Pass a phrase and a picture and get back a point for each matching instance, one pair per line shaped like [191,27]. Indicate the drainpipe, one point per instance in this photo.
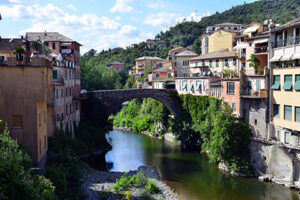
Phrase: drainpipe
[269,100]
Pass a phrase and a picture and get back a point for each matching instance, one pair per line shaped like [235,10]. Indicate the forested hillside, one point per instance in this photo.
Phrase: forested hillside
[183,34]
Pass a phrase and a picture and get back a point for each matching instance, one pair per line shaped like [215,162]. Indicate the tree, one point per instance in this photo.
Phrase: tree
[16,182]
[254,62]
[197,46]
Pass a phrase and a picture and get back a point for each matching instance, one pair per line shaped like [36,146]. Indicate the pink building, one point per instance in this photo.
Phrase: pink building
[195,85]
[231,94]
[65,54]
[116,65]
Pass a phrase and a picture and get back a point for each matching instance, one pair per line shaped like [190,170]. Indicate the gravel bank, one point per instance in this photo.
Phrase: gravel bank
[99,185]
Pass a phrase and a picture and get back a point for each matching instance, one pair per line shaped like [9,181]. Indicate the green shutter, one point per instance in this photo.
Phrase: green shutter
[288,113]
[191,86]
[276,84]
[210,63]
[198,85]
[297,114]
[184,85]
[217,63]
[276,111]
[297,83]
[287,82]
[54,74]
[258,83]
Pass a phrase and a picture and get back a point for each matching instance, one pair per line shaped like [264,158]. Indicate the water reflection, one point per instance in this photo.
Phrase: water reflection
[189,173]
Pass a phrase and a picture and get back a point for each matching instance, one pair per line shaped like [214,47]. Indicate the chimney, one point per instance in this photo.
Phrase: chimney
[45,33]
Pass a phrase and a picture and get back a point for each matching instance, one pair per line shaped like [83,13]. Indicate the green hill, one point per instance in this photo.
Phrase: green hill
[187,34]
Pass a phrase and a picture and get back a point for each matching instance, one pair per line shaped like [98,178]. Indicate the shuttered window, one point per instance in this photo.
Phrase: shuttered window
[276,111]
[258,84]
[288,113]
[287,82]
[54,74]
[17,121]
[297,114]
[210,63]
[276,83]
[217,63]
[297,83]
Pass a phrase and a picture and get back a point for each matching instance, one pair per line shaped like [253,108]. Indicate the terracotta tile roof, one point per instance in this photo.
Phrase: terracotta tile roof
[149,58]
[228,24]
[9,44]
[47,37]
[186,53]
[222,53]
[292,23]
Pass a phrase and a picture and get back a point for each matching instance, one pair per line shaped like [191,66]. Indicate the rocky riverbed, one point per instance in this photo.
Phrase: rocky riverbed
[99,185]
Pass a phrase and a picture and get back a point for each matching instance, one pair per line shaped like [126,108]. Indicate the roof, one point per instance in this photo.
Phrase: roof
[222,53]
[163,69]
[227,24]
[149,58]
[292,23]
[186,53]
[115,63]
[175,49]
[47,37]
[9,44]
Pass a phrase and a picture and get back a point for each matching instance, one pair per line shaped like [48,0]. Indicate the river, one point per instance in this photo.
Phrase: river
[190,174]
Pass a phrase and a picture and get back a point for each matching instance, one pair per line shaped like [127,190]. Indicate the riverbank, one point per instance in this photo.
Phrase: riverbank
[170,137]
[99,185]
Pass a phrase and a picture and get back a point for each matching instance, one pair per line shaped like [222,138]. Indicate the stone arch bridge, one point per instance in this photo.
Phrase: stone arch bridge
[113,99]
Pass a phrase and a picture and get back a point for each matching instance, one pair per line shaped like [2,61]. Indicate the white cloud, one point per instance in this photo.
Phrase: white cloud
[122,6]
[161,19]
[193,17]
[71,7]
[155,5]
[15,1]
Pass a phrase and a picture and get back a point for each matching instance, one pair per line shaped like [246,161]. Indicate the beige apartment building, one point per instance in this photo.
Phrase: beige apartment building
[146,62]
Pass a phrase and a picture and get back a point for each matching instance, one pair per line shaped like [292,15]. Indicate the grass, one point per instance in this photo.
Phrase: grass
[139,180]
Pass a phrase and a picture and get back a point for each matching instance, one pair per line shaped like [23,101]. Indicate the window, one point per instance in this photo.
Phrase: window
[276,111]
[45,142]
[70,91]
[196,64]
[157,75]
[226,62]
[234,62]
[203,63]
[258,84]
[57,117]
[297,82]
[217,63]
[56,93]
[230,88]
[54,74]
[297,114]
[66,74]
[234,107]
[17,121]
[66,92]
[45,116]
[288,113]
[40,119]
[46,43]
[169,75]
[276,83]
[185,63]
[210,63]
[70,75]
[255,122]
[66,109]
[53,45]
[287,82]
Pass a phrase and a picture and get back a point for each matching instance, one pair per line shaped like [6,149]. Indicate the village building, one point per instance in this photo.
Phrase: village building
[118,66]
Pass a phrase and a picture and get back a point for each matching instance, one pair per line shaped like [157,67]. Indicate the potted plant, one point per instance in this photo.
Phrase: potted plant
[254,62]
[255,93]
[19,52]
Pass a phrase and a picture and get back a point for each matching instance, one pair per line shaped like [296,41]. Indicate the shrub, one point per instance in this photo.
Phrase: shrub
[152,187]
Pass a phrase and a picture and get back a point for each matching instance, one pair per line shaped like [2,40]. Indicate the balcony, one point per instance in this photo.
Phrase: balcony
[261,50]
[286,42]
[242,55]
[261,94]
[59,81]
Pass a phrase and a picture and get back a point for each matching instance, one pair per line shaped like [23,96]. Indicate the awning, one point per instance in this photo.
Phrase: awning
[184,83]
[297,83]
[275,58]
[251,29]
[198,84]
[191,86]
[288,82]
[261,41]
[276,84]
[296,56]
[286,57]
[240,46]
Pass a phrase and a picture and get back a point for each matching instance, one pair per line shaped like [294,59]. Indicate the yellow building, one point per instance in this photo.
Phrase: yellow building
[26,102]
[146,62]
[285,89]
[221,39]
[7,46]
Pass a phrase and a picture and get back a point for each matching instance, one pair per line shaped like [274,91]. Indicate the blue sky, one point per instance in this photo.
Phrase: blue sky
[103,24]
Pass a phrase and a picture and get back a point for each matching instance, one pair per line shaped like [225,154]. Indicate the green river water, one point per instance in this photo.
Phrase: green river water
[190,174]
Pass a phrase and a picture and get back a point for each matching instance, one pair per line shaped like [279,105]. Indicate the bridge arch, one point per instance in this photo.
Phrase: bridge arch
[113,99]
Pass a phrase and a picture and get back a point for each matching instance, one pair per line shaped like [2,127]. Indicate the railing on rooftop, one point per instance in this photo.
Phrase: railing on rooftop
[263,49]
[255,93]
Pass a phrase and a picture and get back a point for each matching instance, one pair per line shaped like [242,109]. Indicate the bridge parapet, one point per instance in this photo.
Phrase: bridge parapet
[113,99]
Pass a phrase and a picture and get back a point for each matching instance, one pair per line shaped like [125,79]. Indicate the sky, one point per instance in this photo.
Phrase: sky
[104,24]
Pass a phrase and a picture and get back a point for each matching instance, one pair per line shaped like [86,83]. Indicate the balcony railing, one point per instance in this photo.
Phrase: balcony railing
[286,42]
[243,55]
[254,93]
[263,49]
[59,80]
